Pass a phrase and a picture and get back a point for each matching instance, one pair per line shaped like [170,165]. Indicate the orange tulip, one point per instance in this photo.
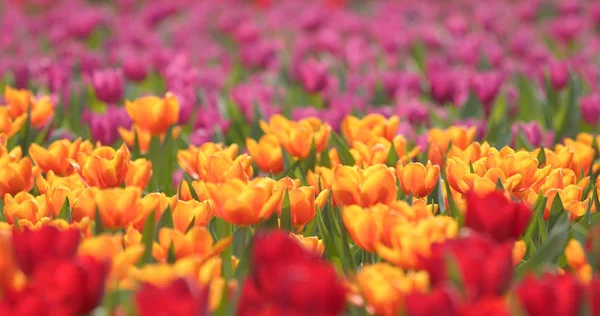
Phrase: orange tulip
[188,159]
[266,153]
[215,166]
[139,173]
[297,137]
[302,200]
[385,287]
[518,252]
[84,205]
[196,242]
[370,126]
[15,177]
[153,202]
[439,140]
[198,186]
[56,197]
[416,178]
[154,114]
[577,261]
[105,167]
[411,240]
[143,137]
[8,126]
[8,263]
[321,178]
[25,206]
[372,225]
[120,207]
[56,157]
[311,243]
[19,102]
[400,145]
[186,211]
[375,184]
[242,203]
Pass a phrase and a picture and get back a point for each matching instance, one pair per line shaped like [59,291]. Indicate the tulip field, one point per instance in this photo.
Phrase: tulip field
[300,157]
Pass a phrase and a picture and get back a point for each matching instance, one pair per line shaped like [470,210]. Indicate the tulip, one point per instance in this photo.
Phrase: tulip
[154,114]
[120,207]
[485,268]
[214,163]
[266,153]
[439,301]
[590,107]
[20,102]
[143,137]
[84,206]
[56,157]
[186,211]
[577,261]
[104,127]
[57,196]
[406,242]
[321,178]
[375,184]
[135,68]
[183,297]
[196,242]
[385,287]
[417,179]
[372,125]
[497,216]
[198,186]
[33,249]
[17,101]
[297,137]
[302,200]
[371,226]
[8,264]
[279,274]
[16,177]
[550,295]
[243,203]
[559,75]
[440,139]
[25,206]
[104,167]
[109,85]
[9,126]
[139,173]
[312,243]
[313,76]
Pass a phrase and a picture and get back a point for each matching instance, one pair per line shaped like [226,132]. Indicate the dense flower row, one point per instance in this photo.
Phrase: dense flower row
[299,157]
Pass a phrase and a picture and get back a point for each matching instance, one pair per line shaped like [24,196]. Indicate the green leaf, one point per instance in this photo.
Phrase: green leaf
[331,251]
[98,225]
[2,217]
[550,250]
[148,240]
[135,150]
[471,108]
[342,150]
[418,53]
[497,124]
[65,211]
[541,157]
[39,139]
[165,220]
[311,160]
[499,185]
[193,223]
[392,158]
[255,131]
[242,248]
[454,274]
[324,159]
[566,120]
[347,259]
[556,211]
[171,257]
[530,108]
[272,222]
[438,198]
[286,215]
[471,169]
[188,180]
[25,131]
[551,95]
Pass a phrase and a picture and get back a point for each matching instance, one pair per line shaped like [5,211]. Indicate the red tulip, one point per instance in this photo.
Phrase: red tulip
[179,298]
[496,215]
[286,279]
[491,306]
[437,302]
[34,248]
[550,295]
[594,296]
[485,268]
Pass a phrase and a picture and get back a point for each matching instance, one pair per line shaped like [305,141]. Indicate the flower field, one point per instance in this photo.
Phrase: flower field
[300,157]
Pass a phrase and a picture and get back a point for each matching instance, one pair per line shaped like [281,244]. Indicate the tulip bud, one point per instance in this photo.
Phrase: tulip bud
[135,68]
[109,85]
[559,75]
[313,75]
[590,108]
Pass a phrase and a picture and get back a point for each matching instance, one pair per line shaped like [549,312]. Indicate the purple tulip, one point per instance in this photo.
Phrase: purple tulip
[590,108]
[104,127]
[135,68]
[414,111]
[533,133]
[486,86]
[314,75]
[559,75]
[21,75]
[480,126]
[201,136]
[443,86]
[83,24]
[109,85]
